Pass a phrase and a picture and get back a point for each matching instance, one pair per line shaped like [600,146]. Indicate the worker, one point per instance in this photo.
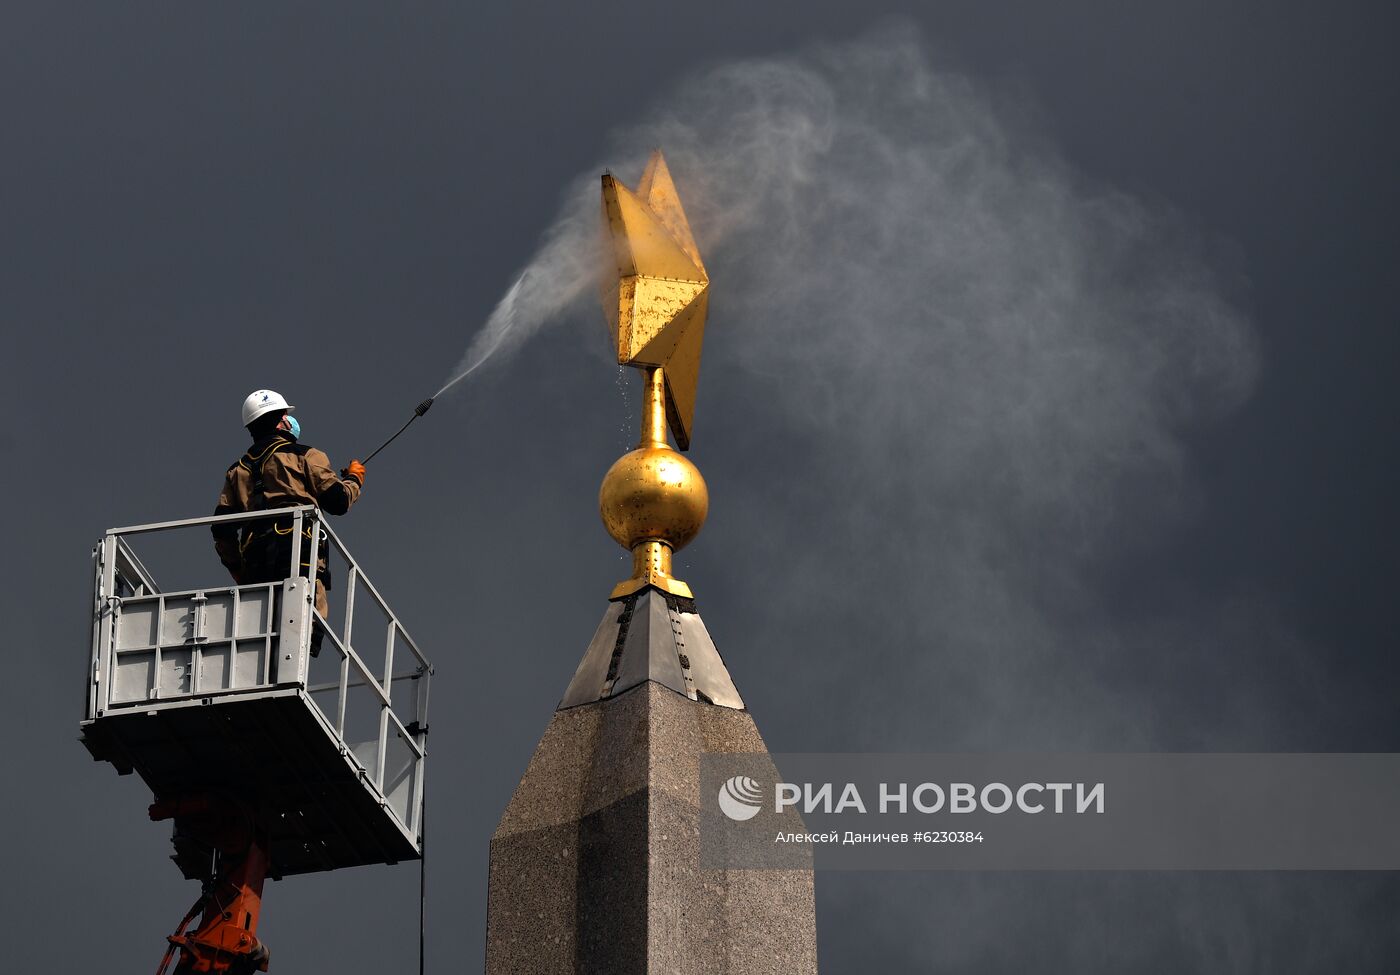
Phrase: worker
[279,472]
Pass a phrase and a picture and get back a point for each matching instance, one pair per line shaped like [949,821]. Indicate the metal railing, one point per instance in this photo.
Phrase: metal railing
[153,649]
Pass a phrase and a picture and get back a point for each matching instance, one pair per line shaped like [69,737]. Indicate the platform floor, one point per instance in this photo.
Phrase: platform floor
[276,752]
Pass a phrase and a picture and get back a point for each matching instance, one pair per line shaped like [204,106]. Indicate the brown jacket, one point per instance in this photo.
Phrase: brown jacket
[277,472]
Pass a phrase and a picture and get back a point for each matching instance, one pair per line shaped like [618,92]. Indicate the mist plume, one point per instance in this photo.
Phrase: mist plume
[905,277]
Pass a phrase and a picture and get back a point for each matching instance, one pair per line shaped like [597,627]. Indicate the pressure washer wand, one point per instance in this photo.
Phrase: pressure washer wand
[418,411]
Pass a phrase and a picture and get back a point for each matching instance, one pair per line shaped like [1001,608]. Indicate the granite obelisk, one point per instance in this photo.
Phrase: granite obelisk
[595,866]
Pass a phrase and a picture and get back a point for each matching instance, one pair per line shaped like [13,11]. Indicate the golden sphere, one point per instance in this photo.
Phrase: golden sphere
[653,494]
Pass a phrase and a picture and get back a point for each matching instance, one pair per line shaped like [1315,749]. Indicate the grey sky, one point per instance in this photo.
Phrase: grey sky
[1150,508]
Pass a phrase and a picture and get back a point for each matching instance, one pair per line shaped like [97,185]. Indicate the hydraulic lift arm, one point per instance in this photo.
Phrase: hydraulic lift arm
[226,939]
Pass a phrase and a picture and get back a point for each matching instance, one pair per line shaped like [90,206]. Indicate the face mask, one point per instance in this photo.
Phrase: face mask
[292,426]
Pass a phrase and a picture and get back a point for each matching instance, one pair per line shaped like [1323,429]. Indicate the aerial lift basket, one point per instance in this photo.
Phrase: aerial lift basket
[209,692]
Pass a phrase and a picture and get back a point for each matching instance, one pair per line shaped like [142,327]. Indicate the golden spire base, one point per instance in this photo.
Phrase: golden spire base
[651,566]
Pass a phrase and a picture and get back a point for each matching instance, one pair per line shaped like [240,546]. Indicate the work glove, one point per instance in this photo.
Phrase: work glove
[357,471]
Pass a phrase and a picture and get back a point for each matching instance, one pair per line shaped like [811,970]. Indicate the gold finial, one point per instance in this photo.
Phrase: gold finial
[653,501]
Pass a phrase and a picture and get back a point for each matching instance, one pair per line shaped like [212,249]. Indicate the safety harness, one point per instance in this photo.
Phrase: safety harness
[253,464]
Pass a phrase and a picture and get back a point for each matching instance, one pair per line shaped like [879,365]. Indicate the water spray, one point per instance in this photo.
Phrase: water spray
[427,404]
[505,321]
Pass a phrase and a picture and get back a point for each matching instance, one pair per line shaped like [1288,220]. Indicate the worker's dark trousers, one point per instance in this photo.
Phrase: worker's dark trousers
[268,557]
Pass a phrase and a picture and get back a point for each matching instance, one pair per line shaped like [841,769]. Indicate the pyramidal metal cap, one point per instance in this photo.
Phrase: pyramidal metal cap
[652,636]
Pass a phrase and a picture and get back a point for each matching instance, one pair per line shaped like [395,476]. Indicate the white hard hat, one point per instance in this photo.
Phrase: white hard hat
[262,401]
